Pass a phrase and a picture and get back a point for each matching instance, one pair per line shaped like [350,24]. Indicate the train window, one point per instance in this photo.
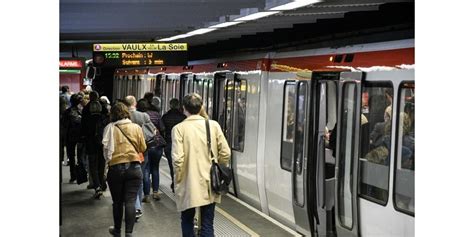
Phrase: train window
[346,154]
[210,95]
[204,95]
[198,87]
[300,125]
[301,108]
[176,89]
[374,145]
[288,126]
[405,152]
[239,115]
[228,109]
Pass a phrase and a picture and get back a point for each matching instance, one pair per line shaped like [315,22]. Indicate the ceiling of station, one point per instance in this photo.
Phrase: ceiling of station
[93,21]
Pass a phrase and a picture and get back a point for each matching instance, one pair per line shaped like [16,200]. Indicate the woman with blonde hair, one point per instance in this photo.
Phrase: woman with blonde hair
[123,142]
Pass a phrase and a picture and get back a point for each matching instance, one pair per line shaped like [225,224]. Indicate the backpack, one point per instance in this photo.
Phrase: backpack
[149,133]
[100,121]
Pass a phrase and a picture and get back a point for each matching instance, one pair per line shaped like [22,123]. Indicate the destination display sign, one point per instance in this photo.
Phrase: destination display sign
[140,54]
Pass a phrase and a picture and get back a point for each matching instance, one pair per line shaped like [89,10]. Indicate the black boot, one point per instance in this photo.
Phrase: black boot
[114,232]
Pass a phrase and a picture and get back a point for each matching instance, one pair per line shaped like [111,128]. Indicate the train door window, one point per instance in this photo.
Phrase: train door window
[169,92]
[210,96]
[221,103]
[228,108]
[176,89]
[204,95]
[300,127]
[374,144]
[240,89]
[346,153]
[288,127]
[189,83]
[405,153]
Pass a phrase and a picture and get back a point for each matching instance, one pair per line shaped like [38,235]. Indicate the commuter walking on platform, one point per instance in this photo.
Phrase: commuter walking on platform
[123,141]
[192,163]
[72,122]
[154,150]
[154,101]
[139,118]
[94,119]
[170,119]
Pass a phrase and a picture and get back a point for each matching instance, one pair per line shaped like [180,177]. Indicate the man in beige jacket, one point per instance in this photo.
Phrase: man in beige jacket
[192,163]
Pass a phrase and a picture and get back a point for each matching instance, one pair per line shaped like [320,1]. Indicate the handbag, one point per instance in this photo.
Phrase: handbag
[141,158]
[221,176]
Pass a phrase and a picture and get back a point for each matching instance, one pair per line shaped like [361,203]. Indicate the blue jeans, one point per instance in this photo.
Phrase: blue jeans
[207,221]
[146,173]
[154,157]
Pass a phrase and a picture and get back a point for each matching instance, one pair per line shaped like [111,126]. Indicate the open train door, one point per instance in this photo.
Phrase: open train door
[321,158]
[224,94]
[346,172]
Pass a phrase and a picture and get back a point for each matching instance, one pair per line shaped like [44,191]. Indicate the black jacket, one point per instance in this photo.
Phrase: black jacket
[170,119]
[92,128]
[72,124]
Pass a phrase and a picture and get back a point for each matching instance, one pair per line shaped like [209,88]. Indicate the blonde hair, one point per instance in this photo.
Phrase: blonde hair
[203,113]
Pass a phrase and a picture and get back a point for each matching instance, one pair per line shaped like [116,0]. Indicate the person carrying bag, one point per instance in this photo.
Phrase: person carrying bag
[221,175]
[191,153]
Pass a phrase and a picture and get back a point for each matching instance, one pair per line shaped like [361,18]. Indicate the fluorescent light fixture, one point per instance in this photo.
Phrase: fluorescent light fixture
[191,33]
[200,31]
[255,16]
[226,24]
[174,37]
[294,5]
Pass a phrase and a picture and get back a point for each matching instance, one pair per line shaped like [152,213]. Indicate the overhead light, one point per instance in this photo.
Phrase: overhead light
[226,24]
[200,31]
[174,37]
[255,16]
[294,5]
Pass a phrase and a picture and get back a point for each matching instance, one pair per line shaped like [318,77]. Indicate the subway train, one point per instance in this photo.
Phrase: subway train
[322,139]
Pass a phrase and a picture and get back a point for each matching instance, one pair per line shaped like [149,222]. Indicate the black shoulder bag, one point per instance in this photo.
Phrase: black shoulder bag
[221,176]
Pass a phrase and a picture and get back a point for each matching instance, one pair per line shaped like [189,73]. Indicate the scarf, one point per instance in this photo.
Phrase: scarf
[108,138]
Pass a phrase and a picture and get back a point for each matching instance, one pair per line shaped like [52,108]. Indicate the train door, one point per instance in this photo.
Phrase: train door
[186,85]
[385,157]
[223,101]
[347,208]
[299,149]
[321,161]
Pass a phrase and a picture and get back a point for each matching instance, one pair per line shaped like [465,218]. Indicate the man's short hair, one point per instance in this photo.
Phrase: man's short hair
[94,96]
[149,96]
[130,100]
[174,103]
[64,89]
[192,103]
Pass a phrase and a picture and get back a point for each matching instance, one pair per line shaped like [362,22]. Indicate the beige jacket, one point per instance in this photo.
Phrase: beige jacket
[124,151]
[192,161]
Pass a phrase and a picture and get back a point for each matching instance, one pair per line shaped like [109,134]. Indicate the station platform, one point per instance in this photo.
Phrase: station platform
[82,215]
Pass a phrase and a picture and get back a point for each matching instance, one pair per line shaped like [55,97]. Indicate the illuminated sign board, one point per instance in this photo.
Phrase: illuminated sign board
[70,63]
[140,54]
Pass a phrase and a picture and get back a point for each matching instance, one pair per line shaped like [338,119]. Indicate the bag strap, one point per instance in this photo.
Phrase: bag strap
[127,138]
[208,134]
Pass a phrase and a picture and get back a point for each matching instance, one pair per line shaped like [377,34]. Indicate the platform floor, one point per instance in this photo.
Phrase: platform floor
[82,215]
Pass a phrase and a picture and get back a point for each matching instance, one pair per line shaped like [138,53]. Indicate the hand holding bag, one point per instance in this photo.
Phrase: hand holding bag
[221,176]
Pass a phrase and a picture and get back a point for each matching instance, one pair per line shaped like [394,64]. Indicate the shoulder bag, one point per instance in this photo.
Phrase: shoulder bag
[221,176]
[141,158]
